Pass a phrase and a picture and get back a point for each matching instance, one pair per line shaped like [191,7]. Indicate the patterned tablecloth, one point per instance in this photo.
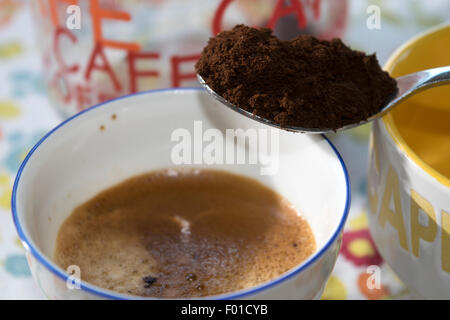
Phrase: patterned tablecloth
[26,114]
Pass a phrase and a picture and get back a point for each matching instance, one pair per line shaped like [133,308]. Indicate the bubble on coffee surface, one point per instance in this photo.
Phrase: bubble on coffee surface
[196,233]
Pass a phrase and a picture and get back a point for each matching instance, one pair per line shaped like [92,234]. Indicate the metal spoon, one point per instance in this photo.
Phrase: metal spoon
[407,86]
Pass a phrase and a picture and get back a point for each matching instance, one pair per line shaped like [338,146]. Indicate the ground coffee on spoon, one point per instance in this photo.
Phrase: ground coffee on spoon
[303,82]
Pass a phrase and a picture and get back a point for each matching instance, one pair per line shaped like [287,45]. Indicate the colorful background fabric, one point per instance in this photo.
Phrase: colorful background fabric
[26,114]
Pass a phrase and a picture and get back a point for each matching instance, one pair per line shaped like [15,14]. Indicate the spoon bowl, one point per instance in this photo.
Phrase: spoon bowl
[407,85]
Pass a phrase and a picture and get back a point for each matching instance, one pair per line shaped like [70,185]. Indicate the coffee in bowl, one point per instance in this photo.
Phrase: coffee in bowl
[178,233]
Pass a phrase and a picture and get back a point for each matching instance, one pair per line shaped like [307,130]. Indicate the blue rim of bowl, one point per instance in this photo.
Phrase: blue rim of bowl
[29,245]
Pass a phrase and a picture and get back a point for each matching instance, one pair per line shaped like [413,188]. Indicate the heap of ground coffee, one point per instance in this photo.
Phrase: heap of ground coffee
[303,82]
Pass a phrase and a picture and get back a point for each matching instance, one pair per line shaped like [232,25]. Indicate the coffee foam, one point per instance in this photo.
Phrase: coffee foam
[198,233]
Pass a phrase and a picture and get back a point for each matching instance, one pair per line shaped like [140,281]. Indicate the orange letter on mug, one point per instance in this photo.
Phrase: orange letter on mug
[176,74]
[134,73]
[98,14]
[59,32]
[105,67]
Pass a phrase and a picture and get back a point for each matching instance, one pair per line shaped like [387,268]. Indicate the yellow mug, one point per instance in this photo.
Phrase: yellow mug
[409,173]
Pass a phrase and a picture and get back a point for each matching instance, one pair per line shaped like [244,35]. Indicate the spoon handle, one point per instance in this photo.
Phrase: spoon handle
[416,82]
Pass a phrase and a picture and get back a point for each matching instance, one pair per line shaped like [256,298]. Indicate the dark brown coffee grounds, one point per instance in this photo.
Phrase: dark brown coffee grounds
[303,82]
[149,281]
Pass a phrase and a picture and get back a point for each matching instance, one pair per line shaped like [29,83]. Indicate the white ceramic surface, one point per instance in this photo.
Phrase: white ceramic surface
[410,201]
[76,160]
[413,244]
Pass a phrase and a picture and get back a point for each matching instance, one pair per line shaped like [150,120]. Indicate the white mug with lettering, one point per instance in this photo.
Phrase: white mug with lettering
[409,185]
[97,50]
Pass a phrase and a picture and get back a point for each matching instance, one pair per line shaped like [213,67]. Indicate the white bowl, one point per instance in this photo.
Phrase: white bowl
[76,160]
